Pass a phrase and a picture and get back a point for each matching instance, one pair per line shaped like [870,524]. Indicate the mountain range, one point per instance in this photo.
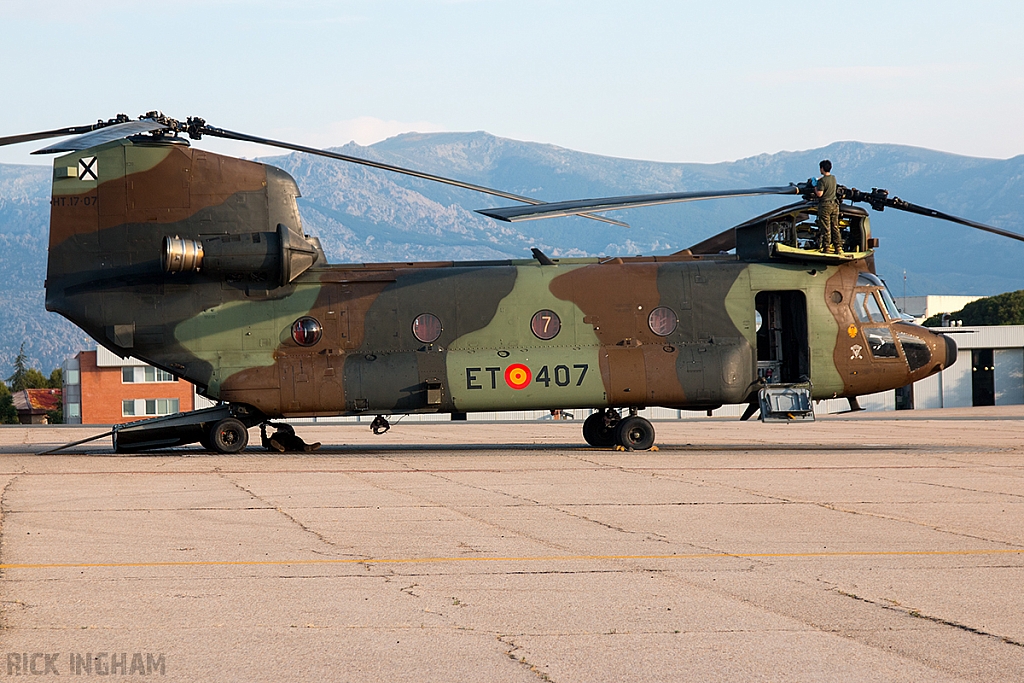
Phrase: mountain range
[365,215]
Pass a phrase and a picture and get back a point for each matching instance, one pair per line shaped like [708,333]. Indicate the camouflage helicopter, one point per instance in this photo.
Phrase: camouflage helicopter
[197,263]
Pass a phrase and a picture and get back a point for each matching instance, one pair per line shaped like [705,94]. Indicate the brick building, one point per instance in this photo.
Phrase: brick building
[102,388]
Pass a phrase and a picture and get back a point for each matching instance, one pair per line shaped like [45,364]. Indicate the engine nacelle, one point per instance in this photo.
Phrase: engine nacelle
[281,255]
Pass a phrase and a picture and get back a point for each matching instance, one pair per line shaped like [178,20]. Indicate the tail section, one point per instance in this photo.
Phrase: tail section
[119,210]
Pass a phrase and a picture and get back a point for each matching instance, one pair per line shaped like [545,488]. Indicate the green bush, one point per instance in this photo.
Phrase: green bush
[8,413]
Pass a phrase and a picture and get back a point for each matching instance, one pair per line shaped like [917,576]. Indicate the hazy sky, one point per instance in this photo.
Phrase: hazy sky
[671,81]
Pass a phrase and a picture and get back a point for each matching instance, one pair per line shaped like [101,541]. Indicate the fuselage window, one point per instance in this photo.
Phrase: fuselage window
[880,342]
[545,324]
[426,328]
[306,331]
[663,321]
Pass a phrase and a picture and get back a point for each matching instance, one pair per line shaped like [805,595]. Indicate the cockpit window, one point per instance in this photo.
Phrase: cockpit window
[873,310]
[880,342]
[890,305]
[868,280]
[867,308]
[915,349]
[858,308]
[872,280]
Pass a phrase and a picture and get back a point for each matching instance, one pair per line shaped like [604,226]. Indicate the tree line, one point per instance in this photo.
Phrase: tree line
[1002,309]
[25,377]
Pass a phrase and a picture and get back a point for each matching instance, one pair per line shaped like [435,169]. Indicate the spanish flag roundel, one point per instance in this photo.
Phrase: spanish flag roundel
[518,376]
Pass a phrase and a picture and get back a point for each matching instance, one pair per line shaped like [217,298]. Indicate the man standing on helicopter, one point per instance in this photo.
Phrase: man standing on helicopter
[828,210]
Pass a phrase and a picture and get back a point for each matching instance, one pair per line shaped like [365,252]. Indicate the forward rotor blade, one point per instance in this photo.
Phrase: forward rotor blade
[232,135]
[898,203]
[515,214]
[104,134]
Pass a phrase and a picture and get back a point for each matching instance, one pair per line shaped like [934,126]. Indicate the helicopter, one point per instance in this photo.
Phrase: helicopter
[197,264]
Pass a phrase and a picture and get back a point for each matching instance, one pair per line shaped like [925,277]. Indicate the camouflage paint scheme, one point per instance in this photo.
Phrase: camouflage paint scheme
[228,330]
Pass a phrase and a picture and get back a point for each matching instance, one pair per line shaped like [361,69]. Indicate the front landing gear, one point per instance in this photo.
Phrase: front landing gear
[635,434]
[606,428]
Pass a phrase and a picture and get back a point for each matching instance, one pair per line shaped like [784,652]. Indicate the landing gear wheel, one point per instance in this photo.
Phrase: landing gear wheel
[596,433]
[229,436]
[635,434]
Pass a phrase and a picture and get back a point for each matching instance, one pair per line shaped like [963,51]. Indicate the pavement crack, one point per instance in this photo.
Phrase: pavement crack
[952,487]
[654,536]
[772,498]
[521,659]
[916,614]
[4,512]
[905,520]
[294,520]
[464,512]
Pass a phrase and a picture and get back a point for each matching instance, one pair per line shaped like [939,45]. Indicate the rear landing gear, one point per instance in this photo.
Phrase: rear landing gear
[223,428]
[606,428]
[229,436]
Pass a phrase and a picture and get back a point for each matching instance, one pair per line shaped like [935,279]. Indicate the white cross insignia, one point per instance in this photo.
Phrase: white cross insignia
[88,169]
[856,348]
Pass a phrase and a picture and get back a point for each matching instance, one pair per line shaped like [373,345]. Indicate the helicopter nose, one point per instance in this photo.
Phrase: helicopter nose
[951,351]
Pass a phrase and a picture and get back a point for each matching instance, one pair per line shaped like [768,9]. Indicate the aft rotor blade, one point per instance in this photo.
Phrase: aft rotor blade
[105,134]
[232,135]
[515,214]
[898,203]
[61,132]
[43,135]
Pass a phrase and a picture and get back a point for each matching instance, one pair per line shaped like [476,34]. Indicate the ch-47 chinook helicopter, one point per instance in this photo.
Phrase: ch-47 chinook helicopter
[197,263]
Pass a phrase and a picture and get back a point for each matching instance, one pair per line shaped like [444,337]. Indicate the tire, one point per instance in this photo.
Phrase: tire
[635,434]
[596,434]
[229,436]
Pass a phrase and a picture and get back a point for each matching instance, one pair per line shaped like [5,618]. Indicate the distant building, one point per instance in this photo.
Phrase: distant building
[924,307]
[33,404]
[103,388]
[989,371]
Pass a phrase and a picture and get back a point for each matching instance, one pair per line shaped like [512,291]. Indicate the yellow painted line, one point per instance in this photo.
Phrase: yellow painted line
[537,558]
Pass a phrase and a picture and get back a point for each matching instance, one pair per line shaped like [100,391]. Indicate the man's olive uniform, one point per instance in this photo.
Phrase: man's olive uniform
[828,213]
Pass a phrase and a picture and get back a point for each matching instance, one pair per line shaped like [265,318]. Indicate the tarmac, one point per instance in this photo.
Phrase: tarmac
[863,547]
